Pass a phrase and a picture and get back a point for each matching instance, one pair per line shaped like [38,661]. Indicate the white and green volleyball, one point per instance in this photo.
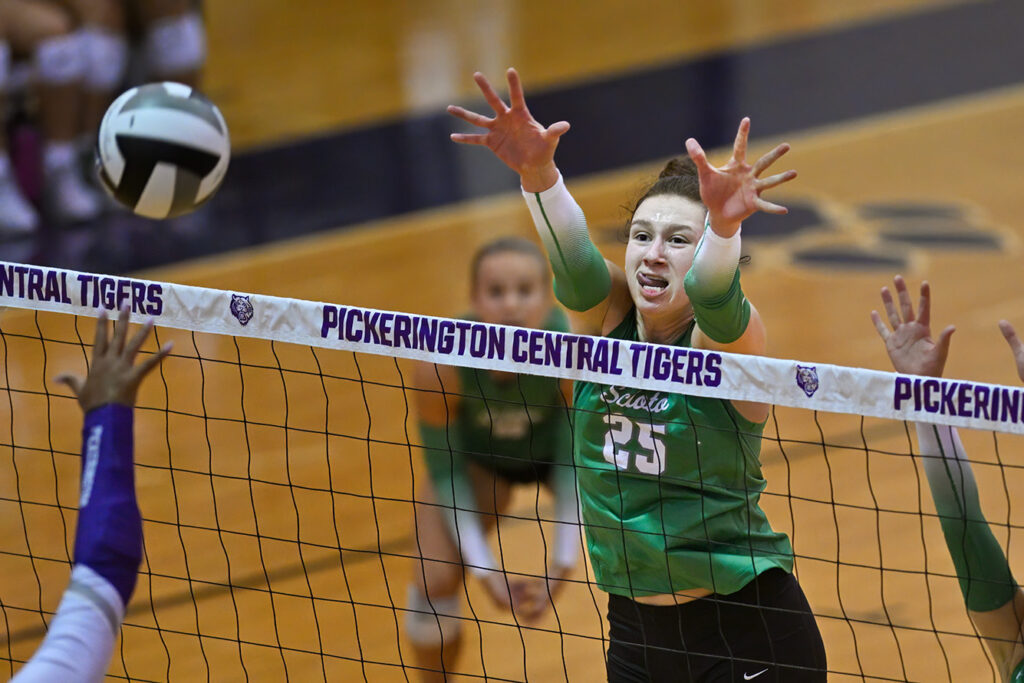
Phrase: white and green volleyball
[163,149]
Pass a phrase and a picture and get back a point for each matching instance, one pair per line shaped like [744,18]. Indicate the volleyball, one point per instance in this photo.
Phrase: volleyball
[162,150]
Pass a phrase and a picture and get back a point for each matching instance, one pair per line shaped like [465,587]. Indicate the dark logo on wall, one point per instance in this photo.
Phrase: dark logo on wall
[807,379]
[885,236]
[241,308]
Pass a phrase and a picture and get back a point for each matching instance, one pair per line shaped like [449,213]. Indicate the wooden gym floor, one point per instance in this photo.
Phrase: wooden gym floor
[931,191]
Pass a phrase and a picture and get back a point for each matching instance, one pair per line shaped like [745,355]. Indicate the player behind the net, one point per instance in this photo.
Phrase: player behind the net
[484,432]
[700,585]
[994,602]
[108,538]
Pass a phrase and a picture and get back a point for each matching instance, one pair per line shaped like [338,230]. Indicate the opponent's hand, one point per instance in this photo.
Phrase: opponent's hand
[1015,345]
[909,344]
[113,376]
[733,192]
[515,137]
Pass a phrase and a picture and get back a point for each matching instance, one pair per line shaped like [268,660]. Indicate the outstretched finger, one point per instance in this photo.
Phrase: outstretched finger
[943,342]
[73,382]
[924,306]
[557,130]
[1015,345]
[770,207]
[489,93]
[768,159]
[137,341]
[99,343]
[739,147]
[146,366]
[906,306]
[768,183]
[469,138]
[1010,335]
[470,116]
[515,90]
[883,331]
[890,308]
[120,331]
[696,153]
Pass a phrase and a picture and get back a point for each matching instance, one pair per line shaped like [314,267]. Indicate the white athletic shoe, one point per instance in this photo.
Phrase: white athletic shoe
[17,216]
[69,199]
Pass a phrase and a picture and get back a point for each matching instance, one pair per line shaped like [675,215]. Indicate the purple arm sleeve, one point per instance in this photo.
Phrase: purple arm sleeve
[109,535]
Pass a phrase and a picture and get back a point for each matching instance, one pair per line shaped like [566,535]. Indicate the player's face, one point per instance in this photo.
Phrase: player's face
[511,289]
[662,238]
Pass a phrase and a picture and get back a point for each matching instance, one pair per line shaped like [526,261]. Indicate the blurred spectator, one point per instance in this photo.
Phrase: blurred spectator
[73,57]
[40,35]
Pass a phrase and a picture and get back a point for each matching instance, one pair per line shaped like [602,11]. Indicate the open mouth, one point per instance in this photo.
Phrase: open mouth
[651,285]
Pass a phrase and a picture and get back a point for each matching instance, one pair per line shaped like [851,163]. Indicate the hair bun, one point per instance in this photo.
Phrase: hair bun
[679,166]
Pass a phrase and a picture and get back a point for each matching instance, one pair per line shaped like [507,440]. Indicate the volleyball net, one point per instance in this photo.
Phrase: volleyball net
[277,462]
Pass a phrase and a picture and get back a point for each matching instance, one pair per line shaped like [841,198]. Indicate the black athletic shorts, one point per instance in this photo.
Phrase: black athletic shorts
[526,472]
[764,632]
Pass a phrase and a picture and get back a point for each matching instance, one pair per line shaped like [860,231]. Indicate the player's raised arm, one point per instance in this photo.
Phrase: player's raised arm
[583,279]
[985,578]
[108,539]
[731,192]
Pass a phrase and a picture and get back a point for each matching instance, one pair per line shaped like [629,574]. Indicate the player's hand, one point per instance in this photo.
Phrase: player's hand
[733,192]
[498,588]
[113,376]
[909,343]
[530,598]
[515,137]
[533,596]
[1015,345]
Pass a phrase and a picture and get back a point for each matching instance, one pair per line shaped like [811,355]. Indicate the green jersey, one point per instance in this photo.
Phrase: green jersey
[669,486]
[507,423]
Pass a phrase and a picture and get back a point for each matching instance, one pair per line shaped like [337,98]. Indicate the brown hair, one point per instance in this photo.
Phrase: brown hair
[679,177]
[501,245]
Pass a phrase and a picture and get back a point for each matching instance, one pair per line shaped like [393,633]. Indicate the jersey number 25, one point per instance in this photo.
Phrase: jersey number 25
[649,459]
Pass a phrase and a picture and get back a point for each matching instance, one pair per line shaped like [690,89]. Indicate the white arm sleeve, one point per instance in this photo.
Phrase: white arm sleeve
[581,275]
[949,472]
[715,260]
[567,516]
[472,543]
[81,637]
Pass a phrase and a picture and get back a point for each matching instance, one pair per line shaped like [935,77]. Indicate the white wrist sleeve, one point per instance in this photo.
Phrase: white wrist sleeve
[716,259]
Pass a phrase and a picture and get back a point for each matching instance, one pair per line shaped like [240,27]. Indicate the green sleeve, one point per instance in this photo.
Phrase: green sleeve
[582,280]
[557,321]
[981,567]
[722,316]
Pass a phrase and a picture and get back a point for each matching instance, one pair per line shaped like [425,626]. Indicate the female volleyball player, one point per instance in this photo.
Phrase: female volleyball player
[994,602]
[108,540]
[700,585]
[484,432]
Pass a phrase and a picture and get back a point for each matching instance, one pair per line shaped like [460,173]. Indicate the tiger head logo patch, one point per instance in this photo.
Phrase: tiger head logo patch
[807,379]
[241,308]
